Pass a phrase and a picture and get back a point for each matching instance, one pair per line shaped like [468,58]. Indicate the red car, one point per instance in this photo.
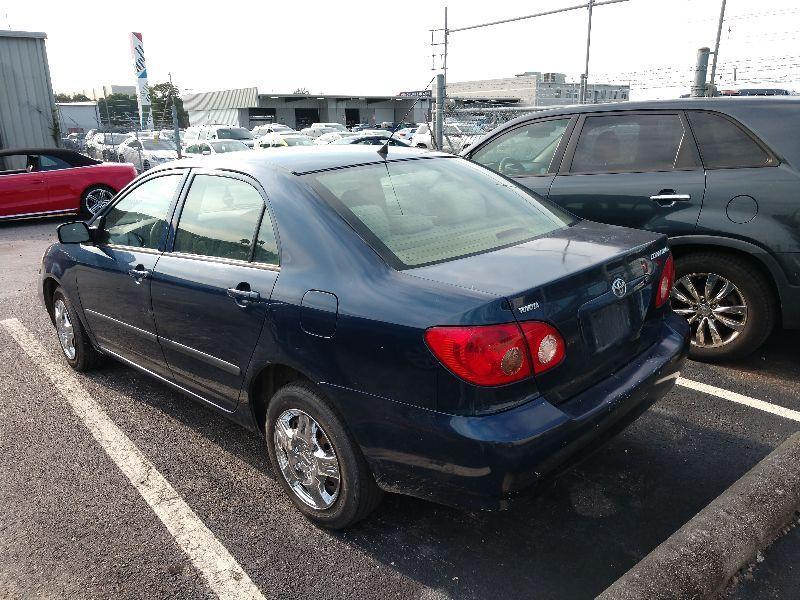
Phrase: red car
[50,181]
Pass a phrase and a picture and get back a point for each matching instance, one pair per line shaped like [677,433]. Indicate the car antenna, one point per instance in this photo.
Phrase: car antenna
[384,150]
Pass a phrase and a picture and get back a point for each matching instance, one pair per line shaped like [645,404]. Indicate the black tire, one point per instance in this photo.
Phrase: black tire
[85,212]
[756,292]
[86,357]
[358,494]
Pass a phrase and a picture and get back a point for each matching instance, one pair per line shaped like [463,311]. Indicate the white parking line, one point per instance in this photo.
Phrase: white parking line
[740,399]
[223,574]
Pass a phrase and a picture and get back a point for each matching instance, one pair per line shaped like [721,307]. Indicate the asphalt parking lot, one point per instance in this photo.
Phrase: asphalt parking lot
[72,525]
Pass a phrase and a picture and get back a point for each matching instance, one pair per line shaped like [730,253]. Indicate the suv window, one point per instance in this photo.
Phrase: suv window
[139,218]
[219,218]
[723,144]
[526,150]
[631,143]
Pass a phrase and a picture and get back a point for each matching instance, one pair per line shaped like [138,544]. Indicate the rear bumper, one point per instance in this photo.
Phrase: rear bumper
[483,462]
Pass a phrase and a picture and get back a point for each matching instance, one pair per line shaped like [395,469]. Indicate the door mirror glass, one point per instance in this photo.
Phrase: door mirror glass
[206,152]
[74,233]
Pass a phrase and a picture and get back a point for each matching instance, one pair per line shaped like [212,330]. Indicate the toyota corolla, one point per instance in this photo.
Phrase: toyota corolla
[409,322]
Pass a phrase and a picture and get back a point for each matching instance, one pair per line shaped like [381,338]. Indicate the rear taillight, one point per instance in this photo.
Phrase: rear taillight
[491,355]
[666,281]
[545,343]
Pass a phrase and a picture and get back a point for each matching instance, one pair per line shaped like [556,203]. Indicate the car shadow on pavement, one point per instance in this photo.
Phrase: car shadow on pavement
[573,539]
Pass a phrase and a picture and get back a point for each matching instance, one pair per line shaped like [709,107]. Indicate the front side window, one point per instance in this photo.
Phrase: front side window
[52,163]
[723,144]
[139,218]
[219,218]
[637,142]
[524,151]
[423,211]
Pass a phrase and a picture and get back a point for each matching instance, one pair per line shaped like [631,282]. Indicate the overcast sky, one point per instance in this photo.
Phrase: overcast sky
[373,47]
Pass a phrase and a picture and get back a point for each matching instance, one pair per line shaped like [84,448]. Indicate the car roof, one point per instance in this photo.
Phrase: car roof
[721,103]
[303,159]
[71,156]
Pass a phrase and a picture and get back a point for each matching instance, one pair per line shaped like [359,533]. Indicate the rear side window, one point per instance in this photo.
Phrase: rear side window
[418,212]
[723,144]
[219,218]
[526,150]
[634,143]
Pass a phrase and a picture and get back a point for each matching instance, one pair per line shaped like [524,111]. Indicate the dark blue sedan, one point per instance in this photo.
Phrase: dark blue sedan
[409,321]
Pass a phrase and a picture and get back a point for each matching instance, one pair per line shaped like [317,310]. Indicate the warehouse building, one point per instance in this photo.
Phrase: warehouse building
[533,88]
[246,107]
[78,117]
[28,115]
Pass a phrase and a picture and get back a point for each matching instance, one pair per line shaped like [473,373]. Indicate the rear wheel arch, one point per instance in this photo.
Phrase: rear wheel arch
[269,380]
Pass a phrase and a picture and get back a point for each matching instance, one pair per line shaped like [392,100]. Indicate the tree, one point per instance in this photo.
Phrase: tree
[81,98]
[63,98]
[162,95]
[301,90]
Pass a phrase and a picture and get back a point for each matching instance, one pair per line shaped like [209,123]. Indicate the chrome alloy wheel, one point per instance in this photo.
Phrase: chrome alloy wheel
[97,199]
[714,307]
[66,333]
[307,459]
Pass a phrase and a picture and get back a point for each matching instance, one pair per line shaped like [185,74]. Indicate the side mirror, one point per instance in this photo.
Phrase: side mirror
[74,233]
[206,152]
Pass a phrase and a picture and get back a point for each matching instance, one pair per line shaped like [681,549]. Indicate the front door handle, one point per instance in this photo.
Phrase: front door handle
[139,273]
[667,198]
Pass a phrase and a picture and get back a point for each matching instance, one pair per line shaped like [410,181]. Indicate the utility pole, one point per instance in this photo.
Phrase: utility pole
[711,89]
[176,126]
[438,128]
[699,88]
[585,75]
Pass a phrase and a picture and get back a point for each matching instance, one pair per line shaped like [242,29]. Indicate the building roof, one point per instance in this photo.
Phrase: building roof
[23,34]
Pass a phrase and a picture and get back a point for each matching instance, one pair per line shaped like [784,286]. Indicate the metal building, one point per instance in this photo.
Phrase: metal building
[247,107]
[28,117]
[78,117]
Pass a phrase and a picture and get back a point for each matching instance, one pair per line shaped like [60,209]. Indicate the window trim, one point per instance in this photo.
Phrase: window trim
[776,161]
[267,209]
[182,171]
[569,155]
[558,155]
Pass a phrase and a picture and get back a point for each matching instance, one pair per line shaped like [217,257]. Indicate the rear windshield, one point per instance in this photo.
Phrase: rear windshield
[234,133]
[423,211]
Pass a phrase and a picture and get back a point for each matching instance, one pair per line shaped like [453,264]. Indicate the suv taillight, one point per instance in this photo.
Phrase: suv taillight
[666,281]
[491,355]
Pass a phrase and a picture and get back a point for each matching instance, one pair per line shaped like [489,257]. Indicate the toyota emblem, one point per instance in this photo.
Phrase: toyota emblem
[619,287]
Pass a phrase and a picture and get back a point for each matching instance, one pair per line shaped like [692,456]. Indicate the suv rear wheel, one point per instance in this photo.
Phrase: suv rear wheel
[728,303]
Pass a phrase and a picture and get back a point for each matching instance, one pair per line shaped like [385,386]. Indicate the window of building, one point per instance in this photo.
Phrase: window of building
[723,144]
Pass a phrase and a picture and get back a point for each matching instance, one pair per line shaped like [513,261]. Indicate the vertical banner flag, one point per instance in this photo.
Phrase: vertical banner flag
[142,91]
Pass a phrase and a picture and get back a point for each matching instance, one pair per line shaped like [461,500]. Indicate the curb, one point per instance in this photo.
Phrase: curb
[699,559]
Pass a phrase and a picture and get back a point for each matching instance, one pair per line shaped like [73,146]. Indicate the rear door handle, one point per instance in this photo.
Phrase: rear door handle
[670,199]
[244,296]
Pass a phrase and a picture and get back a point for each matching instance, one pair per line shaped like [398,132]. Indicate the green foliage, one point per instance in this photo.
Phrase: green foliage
[61,97]
[162,95]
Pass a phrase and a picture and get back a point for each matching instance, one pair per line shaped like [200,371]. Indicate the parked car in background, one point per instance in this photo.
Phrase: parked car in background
[218,132]
[215,147]
[261,130]
[456,138]
[316,130]
[51,181]
[147,152]
[74,141]
[368,139]
[103,146]
[327,138]
[410,321]
[719,176]
[406,133]
[281,139]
